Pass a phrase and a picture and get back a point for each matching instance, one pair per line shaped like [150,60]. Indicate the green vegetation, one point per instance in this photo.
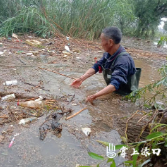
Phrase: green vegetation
[154,141]
[157,89]
[80,18]
[149,14]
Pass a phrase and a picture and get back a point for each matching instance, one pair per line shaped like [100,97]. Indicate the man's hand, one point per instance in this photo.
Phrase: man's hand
[76,83]
[106,90]
[91,98]
[79,81]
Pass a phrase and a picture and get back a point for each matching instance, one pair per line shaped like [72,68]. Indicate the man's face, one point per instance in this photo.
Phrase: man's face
[106,43]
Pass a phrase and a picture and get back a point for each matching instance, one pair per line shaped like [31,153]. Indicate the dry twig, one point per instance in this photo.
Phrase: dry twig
[141,118]
[152,119]
[128,121]
[4,116]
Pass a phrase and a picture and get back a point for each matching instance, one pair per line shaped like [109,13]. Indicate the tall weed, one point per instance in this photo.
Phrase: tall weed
[78,18]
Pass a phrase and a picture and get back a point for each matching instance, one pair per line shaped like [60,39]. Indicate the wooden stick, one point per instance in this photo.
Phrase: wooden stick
[75,113]
[50,100]
[4,116]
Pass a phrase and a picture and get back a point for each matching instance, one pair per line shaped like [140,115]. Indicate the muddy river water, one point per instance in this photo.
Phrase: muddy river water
[72,146]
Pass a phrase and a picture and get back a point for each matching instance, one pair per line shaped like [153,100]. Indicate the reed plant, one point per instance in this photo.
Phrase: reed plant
[77,18]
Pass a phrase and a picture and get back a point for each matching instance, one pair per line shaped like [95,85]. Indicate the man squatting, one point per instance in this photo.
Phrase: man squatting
[116,64]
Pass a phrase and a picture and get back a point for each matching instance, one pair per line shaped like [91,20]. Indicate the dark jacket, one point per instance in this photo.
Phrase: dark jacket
[124,66]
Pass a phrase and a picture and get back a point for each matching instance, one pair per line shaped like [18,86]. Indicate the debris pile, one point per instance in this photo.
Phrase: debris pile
[52,124]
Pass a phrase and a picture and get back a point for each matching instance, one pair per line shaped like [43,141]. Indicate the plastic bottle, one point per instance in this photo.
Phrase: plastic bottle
[8,97]
[39,99]
[68,40]
[13,82]
[27,120]
[31,104]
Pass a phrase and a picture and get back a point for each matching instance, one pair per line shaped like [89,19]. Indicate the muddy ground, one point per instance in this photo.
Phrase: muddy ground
[36,69]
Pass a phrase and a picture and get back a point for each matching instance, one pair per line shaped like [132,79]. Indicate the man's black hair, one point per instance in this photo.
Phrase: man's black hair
[113,33]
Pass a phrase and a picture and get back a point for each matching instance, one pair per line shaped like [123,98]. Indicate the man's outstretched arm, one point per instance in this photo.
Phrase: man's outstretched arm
[79,81]
[109,89]
[88,73]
